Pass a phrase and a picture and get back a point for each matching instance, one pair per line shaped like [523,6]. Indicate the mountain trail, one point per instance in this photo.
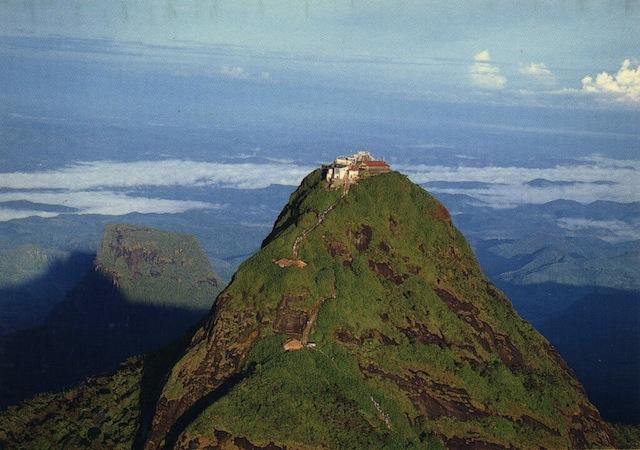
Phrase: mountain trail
[314,314]
[295,251]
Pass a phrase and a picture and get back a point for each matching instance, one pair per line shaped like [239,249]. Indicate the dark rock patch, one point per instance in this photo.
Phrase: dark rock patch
[490,340]
[382,338]
[460,443]
[578,439]
[534,424]
[345,337]
[361,238]
[291,318]
[336,248]
[419,332]
[384,269]
[508,352]
[431,398]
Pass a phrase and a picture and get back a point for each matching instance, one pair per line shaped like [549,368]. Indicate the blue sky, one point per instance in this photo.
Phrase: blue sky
[536,51]
[247,94]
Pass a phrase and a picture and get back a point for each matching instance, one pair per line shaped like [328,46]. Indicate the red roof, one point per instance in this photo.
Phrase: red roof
[376,164]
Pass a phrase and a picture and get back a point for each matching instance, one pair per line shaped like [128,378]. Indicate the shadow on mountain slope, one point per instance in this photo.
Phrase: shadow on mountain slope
[597,331]
[26,305]
[155,369]
[542,302]
[599,336]
[94,329]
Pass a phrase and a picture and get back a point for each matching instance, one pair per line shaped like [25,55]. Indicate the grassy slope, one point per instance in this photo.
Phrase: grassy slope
[368,347]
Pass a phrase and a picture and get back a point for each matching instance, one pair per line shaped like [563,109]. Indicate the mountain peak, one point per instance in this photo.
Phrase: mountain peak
[401,340]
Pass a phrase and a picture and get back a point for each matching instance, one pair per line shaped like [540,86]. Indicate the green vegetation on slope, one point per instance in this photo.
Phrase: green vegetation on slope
[414,345]
[627,436]
[413,349]
[100,413]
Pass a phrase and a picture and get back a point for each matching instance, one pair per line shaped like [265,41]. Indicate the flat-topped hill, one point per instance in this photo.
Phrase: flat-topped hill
[161,267]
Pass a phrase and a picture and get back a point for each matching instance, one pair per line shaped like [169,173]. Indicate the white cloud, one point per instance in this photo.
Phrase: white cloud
[225,71]
[234,72]
[485,75]
[508,185]
[89,186]
[96,202]
[71,185]
[607,230]
[622,86]
[484,55]
[99,174]
[10,213]
[538,71]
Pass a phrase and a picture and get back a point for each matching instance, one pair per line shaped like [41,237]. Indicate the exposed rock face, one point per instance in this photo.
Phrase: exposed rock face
[291,316]
[413,347]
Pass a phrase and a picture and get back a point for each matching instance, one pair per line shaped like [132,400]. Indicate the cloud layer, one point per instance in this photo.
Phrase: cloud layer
[172,172]
[112,188]
[234,72]
[607,230]
[102,202]
[90,187]
[623,86]
[485,75]
[510,186]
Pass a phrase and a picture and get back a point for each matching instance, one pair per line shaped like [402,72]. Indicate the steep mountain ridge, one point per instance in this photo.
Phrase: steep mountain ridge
[410,344]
